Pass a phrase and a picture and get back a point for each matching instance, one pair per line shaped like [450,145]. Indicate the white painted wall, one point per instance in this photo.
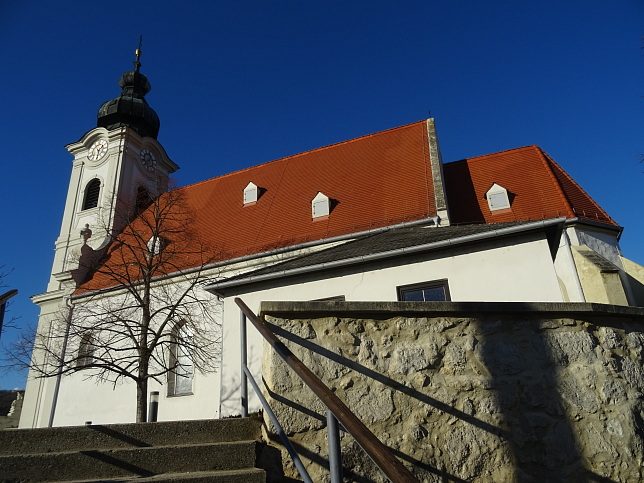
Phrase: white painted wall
[519,269]
[510,269]
[567,272]
[601,241]
[83,398]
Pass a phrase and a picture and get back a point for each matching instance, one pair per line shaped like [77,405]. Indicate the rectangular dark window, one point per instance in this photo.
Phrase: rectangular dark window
[435,291]
[337,298]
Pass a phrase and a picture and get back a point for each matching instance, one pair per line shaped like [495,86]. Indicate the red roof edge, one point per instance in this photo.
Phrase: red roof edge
[292,156]
[580,202]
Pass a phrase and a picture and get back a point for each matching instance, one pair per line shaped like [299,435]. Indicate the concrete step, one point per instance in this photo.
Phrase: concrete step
[247,475]
[130,463]
[99,437]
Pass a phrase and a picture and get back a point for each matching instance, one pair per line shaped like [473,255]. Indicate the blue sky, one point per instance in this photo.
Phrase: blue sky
[240,83]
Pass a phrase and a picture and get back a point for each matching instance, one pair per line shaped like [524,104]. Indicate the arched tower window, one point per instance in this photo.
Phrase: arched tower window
[143,199]
[181,366]
[92,192]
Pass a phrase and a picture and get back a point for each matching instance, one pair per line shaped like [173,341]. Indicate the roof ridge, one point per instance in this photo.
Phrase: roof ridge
[529,146]
[549,162]
[544,159]
[328,146]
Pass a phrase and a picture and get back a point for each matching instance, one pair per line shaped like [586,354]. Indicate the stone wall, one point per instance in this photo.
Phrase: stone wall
[468,391]
[10,408]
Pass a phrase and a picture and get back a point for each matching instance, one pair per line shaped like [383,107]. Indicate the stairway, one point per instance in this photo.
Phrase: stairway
[219,450]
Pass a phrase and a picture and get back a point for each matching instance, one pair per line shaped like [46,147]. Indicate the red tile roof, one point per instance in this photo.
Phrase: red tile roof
[537,186]
[374,181]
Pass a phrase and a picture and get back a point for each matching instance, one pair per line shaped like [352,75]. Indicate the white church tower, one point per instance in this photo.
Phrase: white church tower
[118,167]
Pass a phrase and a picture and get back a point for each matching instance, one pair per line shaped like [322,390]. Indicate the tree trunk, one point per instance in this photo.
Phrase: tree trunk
[142,400]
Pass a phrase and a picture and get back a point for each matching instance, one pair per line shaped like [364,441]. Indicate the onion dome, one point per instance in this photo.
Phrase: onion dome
[130,108]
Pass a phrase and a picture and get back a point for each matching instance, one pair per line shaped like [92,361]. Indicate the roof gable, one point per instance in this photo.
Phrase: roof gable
[537,187]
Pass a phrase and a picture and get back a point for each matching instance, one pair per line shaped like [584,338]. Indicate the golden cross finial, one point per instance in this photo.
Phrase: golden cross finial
[137,62]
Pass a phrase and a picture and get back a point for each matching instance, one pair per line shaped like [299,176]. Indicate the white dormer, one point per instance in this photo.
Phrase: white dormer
[497,198]
[320,205]
[251,193]
[156,244]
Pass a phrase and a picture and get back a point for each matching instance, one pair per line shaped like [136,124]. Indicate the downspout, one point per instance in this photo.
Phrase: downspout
[574,265]
[60,365]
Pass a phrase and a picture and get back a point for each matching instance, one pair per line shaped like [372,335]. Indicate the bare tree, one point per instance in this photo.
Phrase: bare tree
[140,312]
[4,300]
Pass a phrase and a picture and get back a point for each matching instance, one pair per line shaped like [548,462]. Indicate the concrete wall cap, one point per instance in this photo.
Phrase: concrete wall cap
[424,309]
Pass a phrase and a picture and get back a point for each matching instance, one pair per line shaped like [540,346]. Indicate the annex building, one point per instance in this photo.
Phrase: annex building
[377,218]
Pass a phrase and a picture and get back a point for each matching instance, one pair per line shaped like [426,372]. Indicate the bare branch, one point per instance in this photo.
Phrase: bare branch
[141,313]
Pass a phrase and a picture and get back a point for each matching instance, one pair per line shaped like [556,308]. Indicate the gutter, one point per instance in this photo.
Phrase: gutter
[597,224]
[424,221]
[218,286]
[59,375]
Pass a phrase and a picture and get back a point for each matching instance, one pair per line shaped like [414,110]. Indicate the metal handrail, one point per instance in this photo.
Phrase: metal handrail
[280,431]
[377,451]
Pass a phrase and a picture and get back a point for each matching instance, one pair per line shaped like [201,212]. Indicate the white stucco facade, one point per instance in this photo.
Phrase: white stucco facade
[519,269]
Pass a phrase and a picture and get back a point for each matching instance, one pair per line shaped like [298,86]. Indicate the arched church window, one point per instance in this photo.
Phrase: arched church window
[85,350]
[92,191]
[181,366]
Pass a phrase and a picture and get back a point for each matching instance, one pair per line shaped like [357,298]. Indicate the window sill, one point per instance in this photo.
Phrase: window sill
[183,394]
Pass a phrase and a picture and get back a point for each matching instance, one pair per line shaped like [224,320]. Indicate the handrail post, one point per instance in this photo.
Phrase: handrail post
[375,449]
[243,378]
[333,443]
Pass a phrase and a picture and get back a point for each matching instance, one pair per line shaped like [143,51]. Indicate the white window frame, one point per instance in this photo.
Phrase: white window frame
[181,375]
[96,194]
[320,205]
[497,198]
[251,193]
[421,288]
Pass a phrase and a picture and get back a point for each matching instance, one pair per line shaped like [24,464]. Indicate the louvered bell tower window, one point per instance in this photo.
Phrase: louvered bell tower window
[92,192]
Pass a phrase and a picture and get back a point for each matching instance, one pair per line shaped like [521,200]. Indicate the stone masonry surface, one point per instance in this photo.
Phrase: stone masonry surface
[503,396]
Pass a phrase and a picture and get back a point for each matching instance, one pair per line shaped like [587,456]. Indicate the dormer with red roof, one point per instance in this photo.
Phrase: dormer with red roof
[537,187]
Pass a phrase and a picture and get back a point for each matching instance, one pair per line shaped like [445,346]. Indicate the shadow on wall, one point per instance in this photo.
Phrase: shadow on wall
[522,376]
[508,398]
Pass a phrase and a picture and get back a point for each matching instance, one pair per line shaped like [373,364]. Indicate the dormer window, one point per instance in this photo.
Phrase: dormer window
[497,198]
[320,205]
[92,191]
[156,244]
[251,193]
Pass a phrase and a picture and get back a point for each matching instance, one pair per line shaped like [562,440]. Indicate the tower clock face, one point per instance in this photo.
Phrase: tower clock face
[148,159]
[97,150]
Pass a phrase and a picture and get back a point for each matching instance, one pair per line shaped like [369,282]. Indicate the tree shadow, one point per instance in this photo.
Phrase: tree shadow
[106,430]
[522,372]
[531,420]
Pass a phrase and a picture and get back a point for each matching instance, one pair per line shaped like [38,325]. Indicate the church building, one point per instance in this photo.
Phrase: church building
[377,218]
